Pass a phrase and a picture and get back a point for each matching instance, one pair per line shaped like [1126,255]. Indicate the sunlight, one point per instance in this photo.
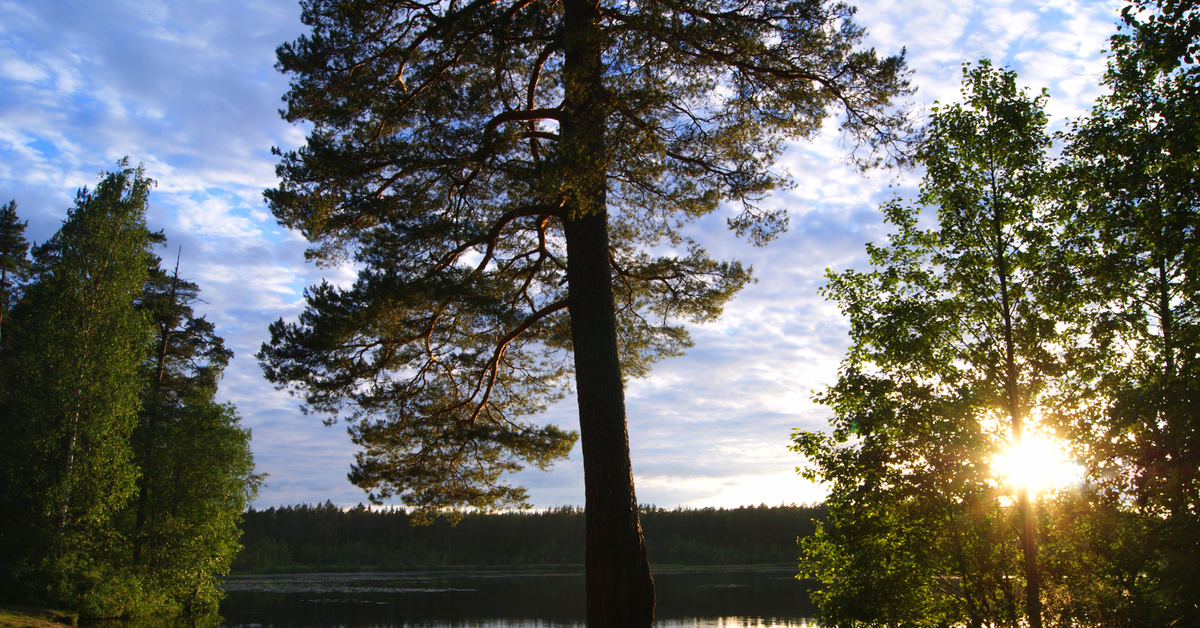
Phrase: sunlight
[1039,463]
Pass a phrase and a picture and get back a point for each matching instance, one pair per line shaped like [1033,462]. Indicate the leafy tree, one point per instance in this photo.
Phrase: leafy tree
[1134,162]
[72,399]
[956,346]
[512,178]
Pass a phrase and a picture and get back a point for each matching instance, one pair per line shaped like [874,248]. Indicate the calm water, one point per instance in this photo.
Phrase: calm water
[726,598]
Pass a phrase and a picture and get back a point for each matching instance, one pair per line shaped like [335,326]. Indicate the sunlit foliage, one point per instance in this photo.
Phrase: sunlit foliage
[1105,301]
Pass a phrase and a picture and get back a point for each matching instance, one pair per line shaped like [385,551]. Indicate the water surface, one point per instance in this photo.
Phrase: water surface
[526,599]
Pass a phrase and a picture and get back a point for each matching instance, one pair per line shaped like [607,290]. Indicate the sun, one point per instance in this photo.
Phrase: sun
[1038,463]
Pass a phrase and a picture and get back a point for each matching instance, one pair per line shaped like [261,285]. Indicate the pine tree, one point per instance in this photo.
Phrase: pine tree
[14,260]
[502,172]
[197,471]
[14,266]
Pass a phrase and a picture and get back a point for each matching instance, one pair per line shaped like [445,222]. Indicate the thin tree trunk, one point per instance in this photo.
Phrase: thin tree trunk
[72,436]
[620,588]
[1033,599]
[1165,318]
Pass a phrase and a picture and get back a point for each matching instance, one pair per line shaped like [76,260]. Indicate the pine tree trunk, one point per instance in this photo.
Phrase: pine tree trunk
[149,473]
[620,588]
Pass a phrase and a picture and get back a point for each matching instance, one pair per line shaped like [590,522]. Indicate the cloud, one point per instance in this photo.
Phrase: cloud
[189,89]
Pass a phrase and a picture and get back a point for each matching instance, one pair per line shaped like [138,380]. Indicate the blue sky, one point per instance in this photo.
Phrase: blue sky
[189,89]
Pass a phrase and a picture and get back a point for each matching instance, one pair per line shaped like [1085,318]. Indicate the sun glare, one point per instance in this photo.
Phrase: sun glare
[1037,463]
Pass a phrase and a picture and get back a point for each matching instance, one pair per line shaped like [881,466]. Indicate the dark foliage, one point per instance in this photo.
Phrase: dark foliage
[325,538]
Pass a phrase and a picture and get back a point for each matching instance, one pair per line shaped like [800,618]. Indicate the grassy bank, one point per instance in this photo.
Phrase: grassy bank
[15,617]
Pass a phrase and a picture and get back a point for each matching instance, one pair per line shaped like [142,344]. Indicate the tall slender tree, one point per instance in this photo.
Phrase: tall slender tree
[14,267]
[502,171]
[197,471]
[186,360]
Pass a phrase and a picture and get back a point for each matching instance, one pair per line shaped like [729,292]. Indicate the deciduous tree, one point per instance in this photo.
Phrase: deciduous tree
[1134,162]
[956,345]
[512,177]
[72,398]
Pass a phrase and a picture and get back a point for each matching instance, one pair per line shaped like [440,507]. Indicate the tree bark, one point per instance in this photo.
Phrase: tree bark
[620,587]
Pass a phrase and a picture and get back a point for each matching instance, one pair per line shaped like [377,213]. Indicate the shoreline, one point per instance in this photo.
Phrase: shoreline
[25,617]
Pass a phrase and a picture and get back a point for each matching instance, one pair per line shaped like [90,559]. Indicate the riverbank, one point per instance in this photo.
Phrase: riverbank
[16,617]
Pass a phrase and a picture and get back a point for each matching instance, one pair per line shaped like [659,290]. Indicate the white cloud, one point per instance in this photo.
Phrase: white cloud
[190,90]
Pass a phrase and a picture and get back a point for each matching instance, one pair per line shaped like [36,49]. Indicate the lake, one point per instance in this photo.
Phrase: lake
[524,599]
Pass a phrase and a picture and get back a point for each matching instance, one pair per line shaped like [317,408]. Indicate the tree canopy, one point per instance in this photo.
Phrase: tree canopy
[436,162]
[953,343]
[1134,163]
[72,399]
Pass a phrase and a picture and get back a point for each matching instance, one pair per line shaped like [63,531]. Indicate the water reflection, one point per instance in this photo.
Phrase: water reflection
[686,599]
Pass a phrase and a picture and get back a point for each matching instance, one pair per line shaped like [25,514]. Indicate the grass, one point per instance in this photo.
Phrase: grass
[18,617]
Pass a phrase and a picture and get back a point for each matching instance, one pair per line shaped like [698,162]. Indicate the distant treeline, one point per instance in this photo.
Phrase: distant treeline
[326,538]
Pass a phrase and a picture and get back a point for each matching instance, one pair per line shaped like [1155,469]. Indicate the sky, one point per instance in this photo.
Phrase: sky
[189,89]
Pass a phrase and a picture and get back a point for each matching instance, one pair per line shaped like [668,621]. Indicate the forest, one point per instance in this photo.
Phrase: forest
[326,538]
